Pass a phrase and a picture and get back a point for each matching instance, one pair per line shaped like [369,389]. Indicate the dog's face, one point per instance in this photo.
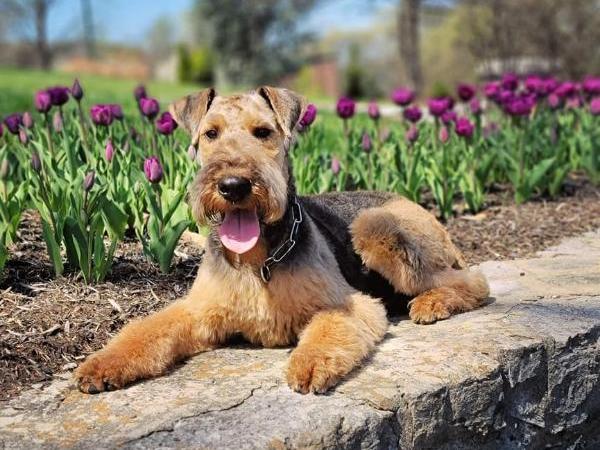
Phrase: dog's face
[243,142]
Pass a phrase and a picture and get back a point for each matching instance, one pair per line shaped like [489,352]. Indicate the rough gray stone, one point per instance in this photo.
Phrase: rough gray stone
[522,372]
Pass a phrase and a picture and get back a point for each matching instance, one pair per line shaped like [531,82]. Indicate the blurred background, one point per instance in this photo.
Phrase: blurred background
[322,48]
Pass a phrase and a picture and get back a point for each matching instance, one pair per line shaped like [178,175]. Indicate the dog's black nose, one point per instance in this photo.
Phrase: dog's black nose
[234,189]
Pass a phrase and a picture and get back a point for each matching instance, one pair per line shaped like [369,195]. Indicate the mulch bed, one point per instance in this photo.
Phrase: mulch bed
[48,325]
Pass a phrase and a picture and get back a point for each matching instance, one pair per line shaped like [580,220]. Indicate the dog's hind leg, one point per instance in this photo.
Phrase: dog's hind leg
[411,249]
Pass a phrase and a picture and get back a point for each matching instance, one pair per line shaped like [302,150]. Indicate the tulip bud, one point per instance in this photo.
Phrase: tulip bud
[27,120]
[149,107]
[345,107]
[36,163]
[109,151]
[42,102]
[4,169]
[23,136]
[412,134]
[76,90]
[595,106]
[464,127]
[57,122]
[88,181]
[192,153]
[373,111]
[366,143]
[309,116]
[444,136]
[153,170]
[475,106]
[335,165]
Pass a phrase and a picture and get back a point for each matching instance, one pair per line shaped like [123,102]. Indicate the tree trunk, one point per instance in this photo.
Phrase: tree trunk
[408,34]
[43,49]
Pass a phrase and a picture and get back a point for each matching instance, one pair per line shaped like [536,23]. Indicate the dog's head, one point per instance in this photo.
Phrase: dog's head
[243,141]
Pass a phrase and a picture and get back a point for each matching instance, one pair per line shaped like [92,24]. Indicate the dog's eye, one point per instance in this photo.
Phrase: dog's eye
[261,132]
[211,134]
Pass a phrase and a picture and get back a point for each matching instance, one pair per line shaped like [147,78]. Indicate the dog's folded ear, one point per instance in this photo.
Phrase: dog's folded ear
[189,110]
[287,105]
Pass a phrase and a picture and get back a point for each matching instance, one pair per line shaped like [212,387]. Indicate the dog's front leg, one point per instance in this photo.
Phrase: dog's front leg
[335,342]
[147,347]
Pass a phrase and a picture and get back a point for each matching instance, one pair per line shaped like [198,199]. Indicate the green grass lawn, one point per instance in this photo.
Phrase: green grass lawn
[17,88]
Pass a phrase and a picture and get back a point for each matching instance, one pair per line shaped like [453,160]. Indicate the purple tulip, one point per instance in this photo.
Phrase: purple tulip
[335,165]
[23,136]
[504,97]
[101,115]
[595,106]
[166,124]
[444,136]
[139,92]
[412,135]
[14,122]
[310,114]
[27,120]
[591,86]
[116,111]
[566,89]
[464,127]
[403,96]
[36,162]
[57,122]
[533,84]
[475,106]
[448,117]
[59,95]
[42,102]
[88,181]
[437,106]
[554,101]
[345,107]
[153,170]
[465,91]
[76,90]
[412,114]
[109,151]
[510,82]
[366,143]
[520,106]
[573,103]
[192,152]
[149,107]
[373,111]
[491,90]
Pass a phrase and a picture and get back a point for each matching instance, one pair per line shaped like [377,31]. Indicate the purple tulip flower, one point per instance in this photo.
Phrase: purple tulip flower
[116,111]
[591,86]
[335,165]
[76,90]
[373,111]
[510,82]
[42,102]
[88,181]
[566,89]
[27,120]
[140,92]
[403,96]
[412,114]
[345,107]
[412,135]
[310,114]
[366,143]
[554,101]
[475,106]
[437,106]
[520,106]
[59,95]
[57,122]
[448,117]
[153,170]
[109,151]
[23,136]
[464,127]
[595,106]
[14,122]
[466,91]
[149,107]
[166,124]
[491,90]
[101,115]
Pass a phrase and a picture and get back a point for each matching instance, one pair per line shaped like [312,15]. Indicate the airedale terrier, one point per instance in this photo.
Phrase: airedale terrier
[280,268]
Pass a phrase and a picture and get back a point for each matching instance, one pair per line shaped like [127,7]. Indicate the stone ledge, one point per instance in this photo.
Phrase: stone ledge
[523,372]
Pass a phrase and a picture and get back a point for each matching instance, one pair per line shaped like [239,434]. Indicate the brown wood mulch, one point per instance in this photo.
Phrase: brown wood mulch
[48,325]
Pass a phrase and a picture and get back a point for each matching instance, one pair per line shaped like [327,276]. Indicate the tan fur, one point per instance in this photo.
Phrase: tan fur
[310,304]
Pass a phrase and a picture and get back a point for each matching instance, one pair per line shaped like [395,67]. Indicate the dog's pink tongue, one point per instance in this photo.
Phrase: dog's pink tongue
[240,230]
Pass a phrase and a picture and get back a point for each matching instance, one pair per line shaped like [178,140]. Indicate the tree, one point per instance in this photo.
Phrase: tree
[409,41]
[254,41]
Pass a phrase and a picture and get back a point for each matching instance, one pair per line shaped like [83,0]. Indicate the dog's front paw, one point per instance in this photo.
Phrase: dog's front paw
[312,371]
[425,310]
[101,372]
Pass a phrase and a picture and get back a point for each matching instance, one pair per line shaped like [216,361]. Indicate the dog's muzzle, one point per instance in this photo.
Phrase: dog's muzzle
[234,189]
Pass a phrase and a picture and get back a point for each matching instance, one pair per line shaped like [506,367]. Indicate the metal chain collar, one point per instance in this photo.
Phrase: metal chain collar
[286,247]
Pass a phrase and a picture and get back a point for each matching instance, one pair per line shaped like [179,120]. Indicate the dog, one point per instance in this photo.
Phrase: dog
[283,269]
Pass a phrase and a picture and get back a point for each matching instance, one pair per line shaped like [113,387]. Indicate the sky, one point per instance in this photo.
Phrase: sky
[126,21]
